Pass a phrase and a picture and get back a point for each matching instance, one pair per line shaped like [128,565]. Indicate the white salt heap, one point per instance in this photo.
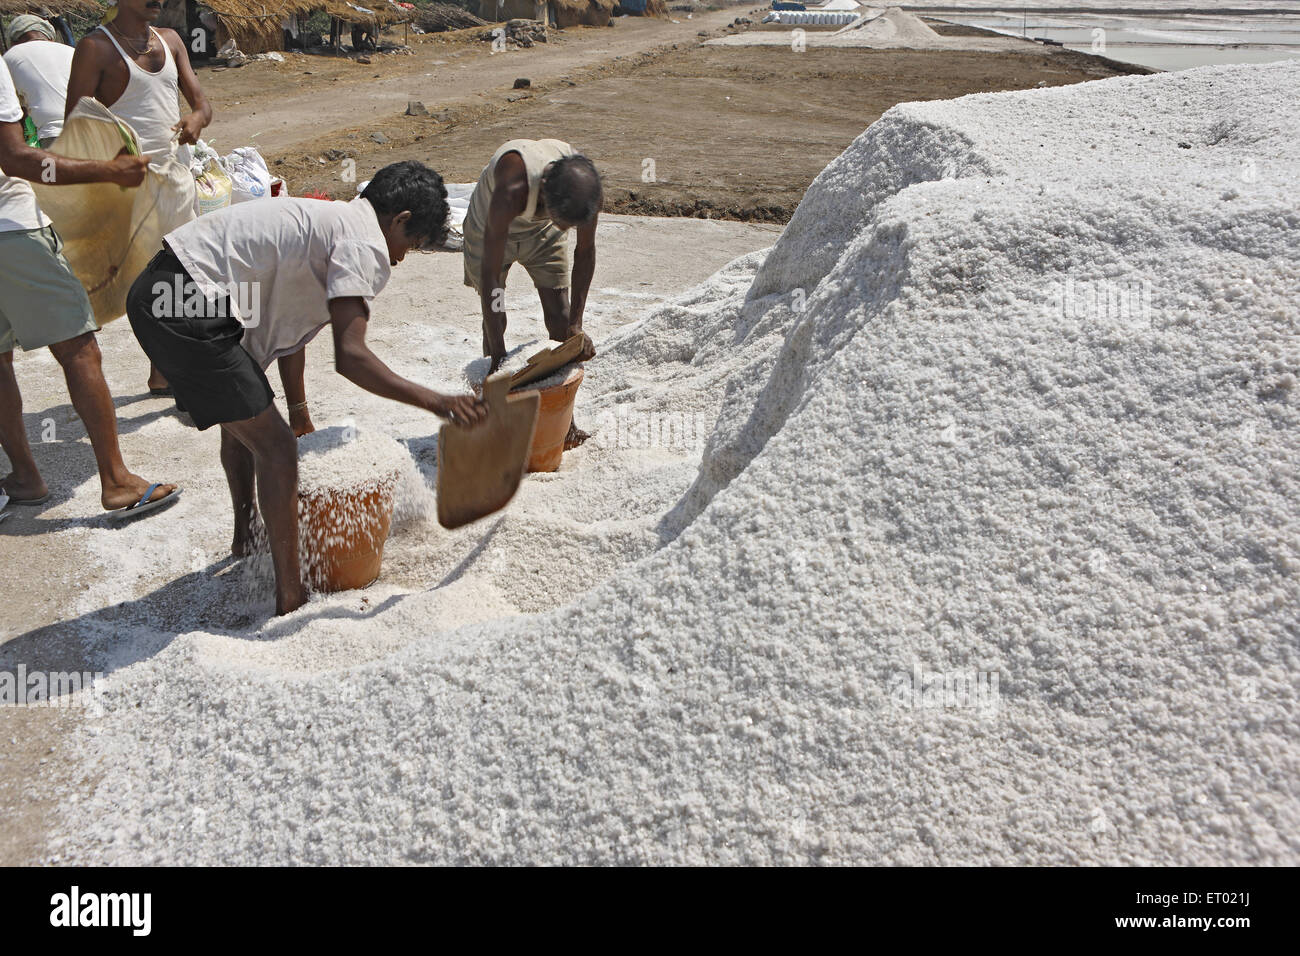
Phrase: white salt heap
[345,457]
[1011,403]
[894,25]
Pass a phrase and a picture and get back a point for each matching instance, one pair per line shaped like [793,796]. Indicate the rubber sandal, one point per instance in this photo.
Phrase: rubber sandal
[144,505]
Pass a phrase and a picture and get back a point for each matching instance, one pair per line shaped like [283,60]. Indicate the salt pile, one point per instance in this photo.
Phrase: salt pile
[349,458]
[991,556]
[343,456]
[893,26]
[347,483]
[476,371]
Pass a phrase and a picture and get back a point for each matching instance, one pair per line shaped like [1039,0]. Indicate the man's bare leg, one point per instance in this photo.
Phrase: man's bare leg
[84,372]
[269,439]
[238,463]
[24,482]
[156,378]
[555,313]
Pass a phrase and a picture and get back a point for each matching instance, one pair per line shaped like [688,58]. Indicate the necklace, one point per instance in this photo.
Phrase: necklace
[148,43]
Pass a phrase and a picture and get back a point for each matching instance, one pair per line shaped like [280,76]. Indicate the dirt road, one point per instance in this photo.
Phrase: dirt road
[275,106]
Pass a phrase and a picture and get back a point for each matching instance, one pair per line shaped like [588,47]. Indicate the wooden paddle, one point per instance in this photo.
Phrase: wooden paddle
[547,361]
[479,469]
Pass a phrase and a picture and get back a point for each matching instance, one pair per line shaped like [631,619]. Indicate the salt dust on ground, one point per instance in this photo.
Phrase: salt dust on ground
[990,554]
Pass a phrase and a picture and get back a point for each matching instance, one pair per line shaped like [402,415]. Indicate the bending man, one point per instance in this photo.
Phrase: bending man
[528,197]
[270,275]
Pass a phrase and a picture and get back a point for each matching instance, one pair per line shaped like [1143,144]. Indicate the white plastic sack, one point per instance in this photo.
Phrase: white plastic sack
[111,232]
[249,177]
[458,196]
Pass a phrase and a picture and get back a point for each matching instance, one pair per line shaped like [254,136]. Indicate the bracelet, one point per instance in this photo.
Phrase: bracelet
[294,408]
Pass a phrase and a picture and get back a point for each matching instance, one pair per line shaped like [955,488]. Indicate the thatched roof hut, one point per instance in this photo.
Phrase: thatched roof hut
[51,8]
[563,13]
[592,13]
[256,26]
[499,11]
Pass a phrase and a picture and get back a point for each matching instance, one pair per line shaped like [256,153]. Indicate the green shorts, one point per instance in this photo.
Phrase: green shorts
[544,252]
[41,301]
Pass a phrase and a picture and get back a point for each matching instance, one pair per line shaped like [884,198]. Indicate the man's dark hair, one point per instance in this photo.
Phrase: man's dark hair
[412,185]
[571,190]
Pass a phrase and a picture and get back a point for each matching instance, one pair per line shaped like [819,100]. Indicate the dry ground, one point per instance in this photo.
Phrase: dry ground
[732,132]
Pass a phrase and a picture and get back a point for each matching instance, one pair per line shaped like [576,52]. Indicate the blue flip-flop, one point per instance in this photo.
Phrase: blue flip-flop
[144,505]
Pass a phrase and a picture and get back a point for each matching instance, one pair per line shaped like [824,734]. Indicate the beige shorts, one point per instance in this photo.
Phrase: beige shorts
[41,301]
[544,252]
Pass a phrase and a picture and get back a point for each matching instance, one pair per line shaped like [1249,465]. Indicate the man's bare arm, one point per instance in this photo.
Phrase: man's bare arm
[21,161]
[355,362]
[584,267]
[509,199]
[87,70]
[201,111]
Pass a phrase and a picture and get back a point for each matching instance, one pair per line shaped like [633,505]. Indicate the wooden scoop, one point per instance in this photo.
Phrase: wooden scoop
[547,361]
[479,469]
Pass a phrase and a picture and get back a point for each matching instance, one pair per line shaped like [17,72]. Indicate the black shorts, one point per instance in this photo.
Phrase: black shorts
[212,376]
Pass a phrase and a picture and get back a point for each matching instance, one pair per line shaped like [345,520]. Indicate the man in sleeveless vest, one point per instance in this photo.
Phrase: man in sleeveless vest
[138,71]
[530,194]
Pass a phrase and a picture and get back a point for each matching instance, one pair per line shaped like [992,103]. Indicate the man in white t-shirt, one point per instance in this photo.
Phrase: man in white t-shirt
[42,305]
[237,289]
[40,66]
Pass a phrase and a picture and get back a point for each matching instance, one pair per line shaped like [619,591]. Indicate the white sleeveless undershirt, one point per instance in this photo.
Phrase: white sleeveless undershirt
[150,102]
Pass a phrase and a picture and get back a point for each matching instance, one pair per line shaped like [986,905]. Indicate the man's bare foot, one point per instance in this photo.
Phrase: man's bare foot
[20,490]
[157,382]
[296,598]
[575,437]
[118,496]
[300,421]
[245,540]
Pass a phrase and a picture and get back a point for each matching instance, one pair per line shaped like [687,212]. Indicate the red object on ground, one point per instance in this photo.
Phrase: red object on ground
[553,420]
[343,533]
